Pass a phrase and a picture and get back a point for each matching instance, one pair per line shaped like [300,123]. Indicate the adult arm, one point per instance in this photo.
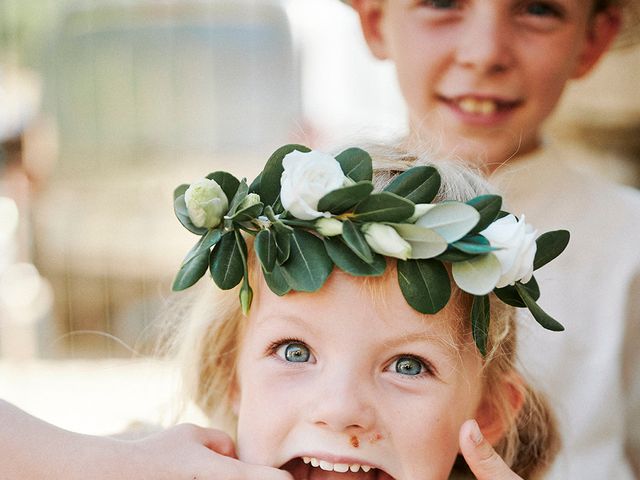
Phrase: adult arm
[631,375]
[32,448]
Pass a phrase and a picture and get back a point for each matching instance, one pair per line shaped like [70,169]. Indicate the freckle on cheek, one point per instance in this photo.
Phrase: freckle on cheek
[355,443]
[375,437]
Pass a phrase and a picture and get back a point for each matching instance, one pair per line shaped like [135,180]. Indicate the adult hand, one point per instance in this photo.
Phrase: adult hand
[482,459]
[187,451]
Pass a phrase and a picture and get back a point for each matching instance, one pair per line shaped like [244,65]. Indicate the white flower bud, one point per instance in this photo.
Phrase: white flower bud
[307,177]
[329,227]
[206,203]
[516,243]
[385,240]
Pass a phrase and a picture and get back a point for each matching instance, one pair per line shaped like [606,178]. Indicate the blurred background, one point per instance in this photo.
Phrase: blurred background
[107,105]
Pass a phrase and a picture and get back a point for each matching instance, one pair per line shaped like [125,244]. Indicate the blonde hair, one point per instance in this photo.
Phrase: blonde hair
[210,343]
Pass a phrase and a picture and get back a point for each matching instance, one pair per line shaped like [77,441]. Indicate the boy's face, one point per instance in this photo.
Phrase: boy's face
[346,381]
[482,75]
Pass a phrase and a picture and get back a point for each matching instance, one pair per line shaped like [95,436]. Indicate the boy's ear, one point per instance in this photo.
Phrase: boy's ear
[371,13]
[490,419]
[601,32]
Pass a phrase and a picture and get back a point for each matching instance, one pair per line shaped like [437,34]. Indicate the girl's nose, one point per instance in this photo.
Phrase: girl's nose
[485,43]
[344,404]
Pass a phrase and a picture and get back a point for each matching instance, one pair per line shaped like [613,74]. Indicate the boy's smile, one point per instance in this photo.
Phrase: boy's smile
[350,382]
[481,76]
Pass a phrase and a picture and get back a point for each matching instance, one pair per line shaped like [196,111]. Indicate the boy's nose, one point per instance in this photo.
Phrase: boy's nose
[344,404]
[485,43]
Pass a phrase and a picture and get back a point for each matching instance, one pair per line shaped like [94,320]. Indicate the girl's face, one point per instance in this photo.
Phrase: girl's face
[482,75]
[334,382]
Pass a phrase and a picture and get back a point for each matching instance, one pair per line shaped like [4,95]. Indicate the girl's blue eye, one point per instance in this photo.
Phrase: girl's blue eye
[409,366]
[294,352]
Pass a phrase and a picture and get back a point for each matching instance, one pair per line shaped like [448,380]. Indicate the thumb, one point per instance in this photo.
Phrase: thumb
[217,441]
[482,459]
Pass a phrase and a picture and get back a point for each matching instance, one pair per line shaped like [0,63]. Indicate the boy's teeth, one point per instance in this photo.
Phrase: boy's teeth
[473,105]
[335,467]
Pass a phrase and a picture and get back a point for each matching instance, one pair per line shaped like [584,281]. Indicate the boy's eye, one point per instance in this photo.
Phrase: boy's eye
[542,9]
[441,4]
[294,352]
[408,365]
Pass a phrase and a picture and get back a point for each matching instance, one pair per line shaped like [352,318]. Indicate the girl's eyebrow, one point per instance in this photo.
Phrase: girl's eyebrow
[300,321]
[444,343]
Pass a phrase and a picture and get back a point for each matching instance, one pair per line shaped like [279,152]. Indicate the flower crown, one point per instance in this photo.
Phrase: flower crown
[309,211]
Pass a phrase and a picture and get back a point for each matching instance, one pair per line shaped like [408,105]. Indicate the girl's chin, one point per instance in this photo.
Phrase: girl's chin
[301,471]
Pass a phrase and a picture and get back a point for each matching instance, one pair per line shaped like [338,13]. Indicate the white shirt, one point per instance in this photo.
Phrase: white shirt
[591,371]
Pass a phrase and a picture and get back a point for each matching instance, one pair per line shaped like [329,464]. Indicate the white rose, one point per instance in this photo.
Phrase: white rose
[206,203]
[385,240]
[516,242]
[308,177]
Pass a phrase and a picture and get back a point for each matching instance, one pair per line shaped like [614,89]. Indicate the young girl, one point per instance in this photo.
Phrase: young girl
[339,371]
[369,368]
[482,76]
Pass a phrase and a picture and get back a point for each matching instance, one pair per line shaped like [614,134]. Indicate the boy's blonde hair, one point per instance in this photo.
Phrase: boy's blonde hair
[209,345]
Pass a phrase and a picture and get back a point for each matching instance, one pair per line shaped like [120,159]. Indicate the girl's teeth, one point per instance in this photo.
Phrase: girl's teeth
[335,467]
[473,105]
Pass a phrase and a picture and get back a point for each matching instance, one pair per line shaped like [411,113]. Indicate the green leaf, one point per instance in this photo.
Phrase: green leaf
[226,265]
[480,318]
[478,275]
[283,241]
[488,206]
[451,255]
[425,284]
[265,247]
[419,184]
[510,295]
[347,261]
[309,264]
[343,199]
[240,195]
[255,185]
[179,190]
[540,315]
[425,243]
[356,164]
[383,207]
[276,281]
[180,209]
[191,271]
[228,183]
[204,244]
[272,172]
[452,220]
[355,240]
[248,214]
[474,244]
[548,246]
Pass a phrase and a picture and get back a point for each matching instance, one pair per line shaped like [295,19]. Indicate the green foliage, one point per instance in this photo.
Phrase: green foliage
[354,239]
[265,246]
[548,246]
[418,184]
[343,199]
[383,207]
[356,164]
[480,318]
[510,295]
[488,206]
[191,271]
[308,265]
[226,265]
[346,260]
[540,315]
[228,183]
[424,284]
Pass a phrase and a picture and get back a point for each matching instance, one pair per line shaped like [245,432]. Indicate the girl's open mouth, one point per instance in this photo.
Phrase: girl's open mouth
[310,468]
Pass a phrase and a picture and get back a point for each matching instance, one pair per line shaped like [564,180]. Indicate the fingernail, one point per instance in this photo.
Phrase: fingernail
[475,434]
